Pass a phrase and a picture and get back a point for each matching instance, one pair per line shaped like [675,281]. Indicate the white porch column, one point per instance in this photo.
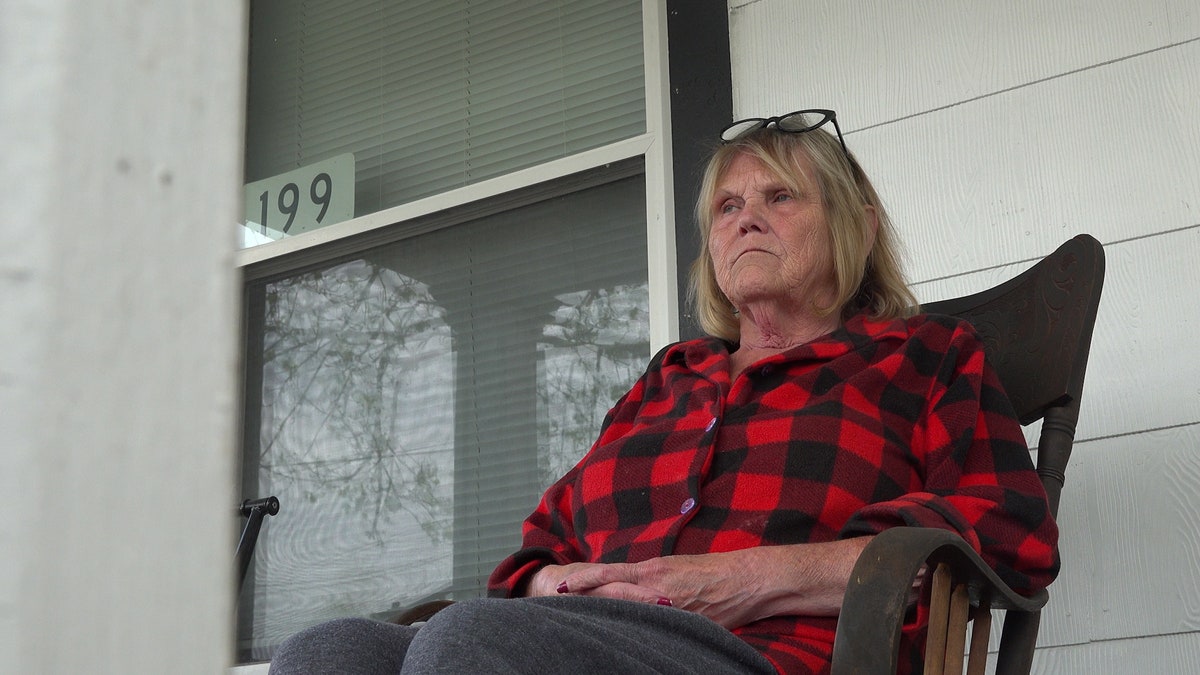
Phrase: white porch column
[121,134]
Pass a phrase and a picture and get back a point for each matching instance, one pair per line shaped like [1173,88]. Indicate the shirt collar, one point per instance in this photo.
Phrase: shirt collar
[709,356]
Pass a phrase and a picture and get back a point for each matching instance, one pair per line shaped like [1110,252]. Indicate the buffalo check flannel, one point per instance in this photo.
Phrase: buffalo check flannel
[879,424]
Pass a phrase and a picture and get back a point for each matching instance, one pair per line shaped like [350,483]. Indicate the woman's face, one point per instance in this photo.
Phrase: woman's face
[767,243]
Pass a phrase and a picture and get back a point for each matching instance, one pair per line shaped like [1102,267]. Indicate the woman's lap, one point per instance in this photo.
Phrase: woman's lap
[566,634]
[350,646]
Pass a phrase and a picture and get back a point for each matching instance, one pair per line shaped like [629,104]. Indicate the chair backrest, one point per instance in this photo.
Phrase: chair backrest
[1037,331]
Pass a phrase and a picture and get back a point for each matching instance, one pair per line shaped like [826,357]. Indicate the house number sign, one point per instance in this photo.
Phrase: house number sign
[302,199]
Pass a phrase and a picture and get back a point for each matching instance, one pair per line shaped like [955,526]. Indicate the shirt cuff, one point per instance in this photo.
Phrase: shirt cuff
[513,574]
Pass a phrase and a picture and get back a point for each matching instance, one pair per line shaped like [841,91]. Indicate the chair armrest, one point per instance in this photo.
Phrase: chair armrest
[872,615]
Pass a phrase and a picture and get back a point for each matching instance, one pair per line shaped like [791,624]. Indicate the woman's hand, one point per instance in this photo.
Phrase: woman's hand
[733,589]
[716,585]
[550,580]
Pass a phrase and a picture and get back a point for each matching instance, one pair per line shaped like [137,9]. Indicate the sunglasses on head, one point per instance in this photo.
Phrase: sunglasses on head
[793,123]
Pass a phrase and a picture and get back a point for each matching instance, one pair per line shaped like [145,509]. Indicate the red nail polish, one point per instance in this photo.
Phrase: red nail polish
[665,602]
[562,588]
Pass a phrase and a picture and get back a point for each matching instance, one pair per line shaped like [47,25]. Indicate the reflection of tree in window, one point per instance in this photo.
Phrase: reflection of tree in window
[358,396]
[591,353]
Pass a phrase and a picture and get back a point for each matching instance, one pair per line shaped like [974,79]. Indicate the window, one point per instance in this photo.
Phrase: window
[415,401]
[421,366]
[412,99]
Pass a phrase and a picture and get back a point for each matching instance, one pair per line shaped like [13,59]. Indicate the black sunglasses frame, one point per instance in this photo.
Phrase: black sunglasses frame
[763,122]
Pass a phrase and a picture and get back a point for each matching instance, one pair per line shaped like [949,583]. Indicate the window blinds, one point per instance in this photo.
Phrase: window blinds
[414,402]
[434,95]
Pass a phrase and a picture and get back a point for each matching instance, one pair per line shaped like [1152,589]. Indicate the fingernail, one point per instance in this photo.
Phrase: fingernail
[665,602]
[562,588]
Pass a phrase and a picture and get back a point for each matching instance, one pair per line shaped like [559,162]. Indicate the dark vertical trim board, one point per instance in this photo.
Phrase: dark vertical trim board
[701,105]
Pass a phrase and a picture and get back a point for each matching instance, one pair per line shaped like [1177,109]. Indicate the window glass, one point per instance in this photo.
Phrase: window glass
[355,106]
[409,406]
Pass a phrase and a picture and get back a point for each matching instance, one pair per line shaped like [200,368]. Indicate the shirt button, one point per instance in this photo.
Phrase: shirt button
[766,370]
[711,425]
[687,505]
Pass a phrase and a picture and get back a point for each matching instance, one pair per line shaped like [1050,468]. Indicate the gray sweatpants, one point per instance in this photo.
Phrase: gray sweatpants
[569,634]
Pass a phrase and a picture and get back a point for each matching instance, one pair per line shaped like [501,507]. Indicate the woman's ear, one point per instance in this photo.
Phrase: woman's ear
[871,218]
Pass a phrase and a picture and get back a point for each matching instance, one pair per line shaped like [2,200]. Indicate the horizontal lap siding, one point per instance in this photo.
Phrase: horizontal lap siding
[995,132]
[1175,654]
[886,61]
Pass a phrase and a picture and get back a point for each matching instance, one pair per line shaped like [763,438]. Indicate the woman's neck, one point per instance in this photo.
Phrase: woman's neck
[764,331]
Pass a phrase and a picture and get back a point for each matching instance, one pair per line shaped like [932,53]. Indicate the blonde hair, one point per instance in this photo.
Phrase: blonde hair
[868,277]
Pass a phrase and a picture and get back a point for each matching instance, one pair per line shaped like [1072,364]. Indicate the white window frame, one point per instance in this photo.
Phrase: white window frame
[653,146]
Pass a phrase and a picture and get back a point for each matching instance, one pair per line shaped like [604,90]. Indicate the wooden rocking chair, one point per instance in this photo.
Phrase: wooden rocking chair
[1037,330]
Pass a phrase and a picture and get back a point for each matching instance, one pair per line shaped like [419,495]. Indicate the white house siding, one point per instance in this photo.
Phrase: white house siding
[996,131]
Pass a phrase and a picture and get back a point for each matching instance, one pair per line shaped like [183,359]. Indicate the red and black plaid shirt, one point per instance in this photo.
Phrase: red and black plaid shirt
[876,425]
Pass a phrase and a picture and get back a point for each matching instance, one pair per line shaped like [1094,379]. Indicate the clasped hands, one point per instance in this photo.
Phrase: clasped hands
[731,588]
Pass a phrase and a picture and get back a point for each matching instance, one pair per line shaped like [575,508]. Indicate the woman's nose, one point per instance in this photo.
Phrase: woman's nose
[750,219]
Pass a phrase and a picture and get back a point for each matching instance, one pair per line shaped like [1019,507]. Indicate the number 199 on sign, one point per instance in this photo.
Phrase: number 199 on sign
[287,202]
[302,199]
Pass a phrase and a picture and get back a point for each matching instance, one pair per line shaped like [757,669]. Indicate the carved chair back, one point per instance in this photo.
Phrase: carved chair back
[1037,330]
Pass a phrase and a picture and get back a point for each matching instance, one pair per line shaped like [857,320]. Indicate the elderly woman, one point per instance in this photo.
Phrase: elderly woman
[714,524]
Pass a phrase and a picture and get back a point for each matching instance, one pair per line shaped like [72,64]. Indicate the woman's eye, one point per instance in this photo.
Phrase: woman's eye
[728,207]
[782,196]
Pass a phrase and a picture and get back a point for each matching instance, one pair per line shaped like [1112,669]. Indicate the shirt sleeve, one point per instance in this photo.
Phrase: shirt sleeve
[548,538]
[549,535]
[979,479]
